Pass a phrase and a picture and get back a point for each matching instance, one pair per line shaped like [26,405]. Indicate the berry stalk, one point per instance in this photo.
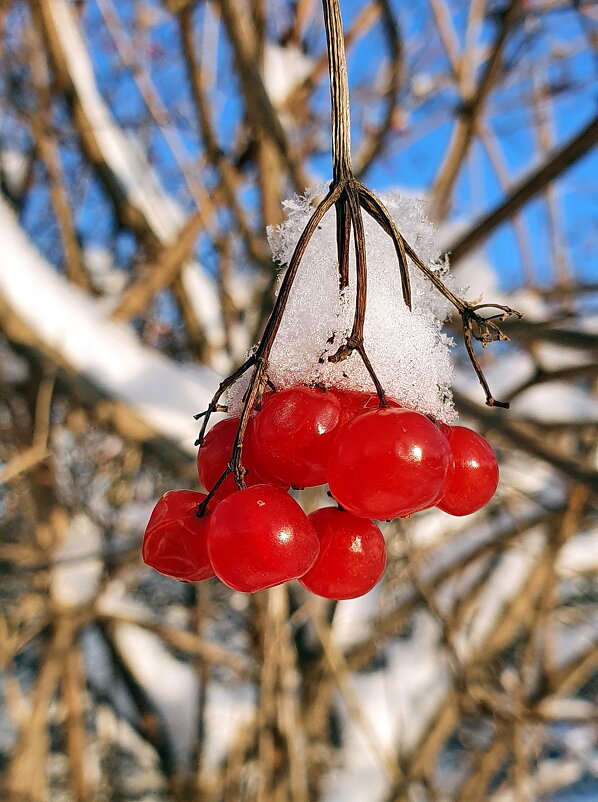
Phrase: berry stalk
[350,198]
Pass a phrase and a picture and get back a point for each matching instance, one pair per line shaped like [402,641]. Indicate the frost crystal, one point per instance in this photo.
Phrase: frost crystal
[408,350]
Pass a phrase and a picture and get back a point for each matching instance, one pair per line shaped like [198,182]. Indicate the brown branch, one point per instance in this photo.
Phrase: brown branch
[342,675]
[211,653]
[546,331]
[229,179]
[73,694]
[496,159]
[376,142]
[542,376]
[558,161]
[47,147]
[156,108]
[461,76]
[158,276]
[469,114]
[127,212]
[26,772]
[522,438]
[258,106]
[150,725]
[391,621]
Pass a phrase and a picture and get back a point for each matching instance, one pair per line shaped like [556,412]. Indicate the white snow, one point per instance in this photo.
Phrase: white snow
[123,155]
[285,68]
[100,267]
[579,555]
[207,309]
[162,394]
[555,357]
[127,160]
[503,373]
[14,368]
[171,684]
[556,402]
[14,165]
[78,562]
[417,680]
[507,579]
[228,709]
[353,618]
[407,349]
[550,776]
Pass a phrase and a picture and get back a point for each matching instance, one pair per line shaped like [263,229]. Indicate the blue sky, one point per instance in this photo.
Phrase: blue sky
[413,165]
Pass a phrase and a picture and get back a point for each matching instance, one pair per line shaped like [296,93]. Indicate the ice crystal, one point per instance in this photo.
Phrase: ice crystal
[408,349]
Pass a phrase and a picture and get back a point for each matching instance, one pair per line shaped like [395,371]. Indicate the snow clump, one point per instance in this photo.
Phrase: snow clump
[407,349]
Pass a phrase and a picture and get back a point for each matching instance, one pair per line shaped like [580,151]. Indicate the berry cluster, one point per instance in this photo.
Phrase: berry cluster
[379,462]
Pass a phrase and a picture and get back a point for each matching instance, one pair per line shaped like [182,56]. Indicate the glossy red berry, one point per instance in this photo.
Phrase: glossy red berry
[388,463]
[260,537]
[215,454]
[472,477]
[352,555]
[175,540]
[258,460]
[354,402]
[289,434]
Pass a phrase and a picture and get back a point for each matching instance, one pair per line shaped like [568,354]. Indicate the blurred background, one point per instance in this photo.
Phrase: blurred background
[144,148]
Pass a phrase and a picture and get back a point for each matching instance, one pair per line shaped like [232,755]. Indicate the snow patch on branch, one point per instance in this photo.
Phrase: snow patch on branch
[160,393]
[127,161]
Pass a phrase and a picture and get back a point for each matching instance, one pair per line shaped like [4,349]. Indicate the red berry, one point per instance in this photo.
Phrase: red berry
[353,402]
[258,461]
[472,477]
[289,434]
[175,540]
[260,537]
[352,555]
[388,463]
[215,454]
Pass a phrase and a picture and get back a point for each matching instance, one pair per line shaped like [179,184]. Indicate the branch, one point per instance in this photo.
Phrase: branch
[469,114]
[150,403]
[522,439]
[159,275]
[259,107]
[375,144]
[557,161]
[139,200]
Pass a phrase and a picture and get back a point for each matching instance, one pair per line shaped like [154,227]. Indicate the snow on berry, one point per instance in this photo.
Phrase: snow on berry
[408,350]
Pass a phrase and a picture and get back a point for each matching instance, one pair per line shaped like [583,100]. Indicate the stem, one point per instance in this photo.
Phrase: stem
[339,91]
[361,268]
[343,241]
[275,318]
[376,209]
[259,360]
[349,198]
[350,202]
[214,406]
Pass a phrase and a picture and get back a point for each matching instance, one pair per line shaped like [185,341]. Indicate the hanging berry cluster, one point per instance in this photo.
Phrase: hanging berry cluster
[380,459]
[379,462]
